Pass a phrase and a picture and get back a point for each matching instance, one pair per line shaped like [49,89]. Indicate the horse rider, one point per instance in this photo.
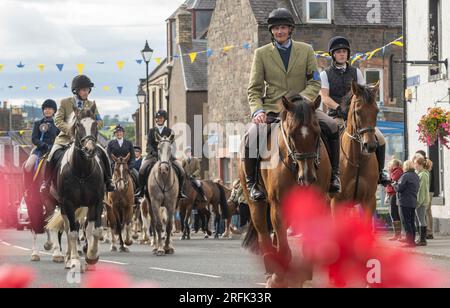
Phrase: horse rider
[138,156]
[191,166]
[81,88]
[281,67]
[152,155]
[120,147]
[43,135]
[336,84]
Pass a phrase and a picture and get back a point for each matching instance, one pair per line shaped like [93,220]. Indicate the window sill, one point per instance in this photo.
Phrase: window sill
[439,201]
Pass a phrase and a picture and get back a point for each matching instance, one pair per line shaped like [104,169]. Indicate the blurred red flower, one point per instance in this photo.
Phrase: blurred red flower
[15,276]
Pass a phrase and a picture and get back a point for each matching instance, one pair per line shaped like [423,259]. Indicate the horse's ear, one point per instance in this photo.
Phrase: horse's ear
[172,138]
[127,158]
[356,89]
[376,87]
[114,158]
[158,138]
[287,104]
[316,104]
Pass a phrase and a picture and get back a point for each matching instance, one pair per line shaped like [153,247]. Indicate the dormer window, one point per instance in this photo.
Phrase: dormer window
[318,11]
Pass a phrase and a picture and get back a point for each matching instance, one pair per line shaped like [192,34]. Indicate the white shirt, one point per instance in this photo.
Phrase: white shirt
[120,141]
[160,128]
[326,85]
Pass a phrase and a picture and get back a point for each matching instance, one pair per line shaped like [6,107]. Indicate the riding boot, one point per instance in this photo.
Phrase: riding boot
[334,144]
[48,176]
[180,174]
[423,237]
[108,171]
[142,176]
[383,178]
[251,169]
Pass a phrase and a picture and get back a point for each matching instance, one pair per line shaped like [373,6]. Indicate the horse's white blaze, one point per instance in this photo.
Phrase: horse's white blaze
[304,131]
[121,183]
[66,158]
[87,124]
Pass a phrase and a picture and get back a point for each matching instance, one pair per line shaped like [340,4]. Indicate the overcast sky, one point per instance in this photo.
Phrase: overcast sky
[51,32]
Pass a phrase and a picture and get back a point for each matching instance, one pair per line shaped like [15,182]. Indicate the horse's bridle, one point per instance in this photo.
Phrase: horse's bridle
[79,144]
[125,180]
[358,134]
[167,163]
[296,156]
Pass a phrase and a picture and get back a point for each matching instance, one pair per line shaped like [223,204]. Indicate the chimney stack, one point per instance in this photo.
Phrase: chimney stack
[184,26]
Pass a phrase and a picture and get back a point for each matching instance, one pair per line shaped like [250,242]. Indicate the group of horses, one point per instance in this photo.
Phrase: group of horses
[84,207]
[304,160]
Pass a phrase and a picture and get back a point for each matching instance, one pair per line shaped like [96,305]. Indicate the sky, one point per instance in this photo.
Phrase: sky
[70,32]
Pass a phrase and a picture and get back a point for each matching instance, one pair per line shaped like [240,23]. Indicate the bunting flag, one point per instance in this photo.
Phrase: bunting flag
[158,61]
[80,68]
[193,56]
[246,46]
[60,67]
[227,48]
[20,65]
[37,88]
[209,52]
[10,87]
[41,67]
[50,86]
[100,62]
[120,64]
[400,44]
[139,61]
[120,89]
[23,88]
[1,67]
[106,88]
[65,85]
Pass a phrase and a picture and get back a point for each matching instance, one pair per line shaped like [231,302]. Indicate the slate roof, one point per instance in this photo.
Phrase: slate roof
[195,74]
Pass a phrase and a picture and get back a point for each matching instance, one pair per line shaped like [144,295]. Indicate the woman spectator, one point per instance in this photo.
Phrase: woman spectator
[395,172]
[407,188]
[423,197]
[429,163]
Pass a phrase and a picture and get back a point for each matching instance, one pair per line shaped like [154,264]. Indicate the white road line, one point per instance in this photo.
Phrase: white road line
[182,272]
[103,261]
[261,284]
[6,244]
[21,248]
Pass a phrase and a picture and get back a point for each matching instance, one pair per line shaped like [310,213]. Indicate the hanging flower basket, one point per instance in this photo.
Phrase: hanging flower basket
[435,125]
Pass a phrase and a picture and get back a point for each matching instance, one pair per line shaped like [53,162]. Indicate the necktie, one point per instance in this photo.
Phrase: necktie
[80,104]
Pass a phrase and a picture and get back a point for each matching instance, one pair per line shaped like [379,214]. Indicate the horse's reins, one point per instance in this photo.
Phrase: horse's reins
[296,156]
[169,164]
[125,180]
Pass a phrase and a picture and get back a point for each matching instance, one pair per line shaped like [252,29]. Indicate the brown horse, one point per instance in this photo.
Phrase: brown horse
[303,160]
[185,207]
[217,196]
[120,213]
[358,163]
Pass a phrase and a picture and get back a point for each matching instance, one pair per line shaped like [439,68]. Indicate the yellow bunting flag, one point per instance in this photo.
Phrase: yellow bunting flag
[106,88]
[397,43]
[357,58]
[158,61]
[80,68]
[371,54]
[41,67]
[23,88]
[120,64]
[227,48]
[21,132]
[1,67]
[193,56]
[51,86]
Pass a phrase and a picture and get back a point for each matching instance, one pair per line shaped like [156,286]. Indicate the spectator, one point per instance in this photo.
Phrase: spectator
[407,188]
[395,172]
[429,163]
[423,197]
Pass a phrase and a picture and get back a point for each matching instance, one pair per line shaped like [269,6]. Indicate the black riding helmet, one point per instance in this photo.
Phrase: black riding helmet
[119,128]
[49,104]
[339,42]
[280,17]
[161,114]
[81,82]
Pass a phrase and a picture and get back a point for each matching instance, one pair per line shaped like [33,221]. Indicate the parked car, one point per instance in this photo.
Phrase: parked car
[22,216]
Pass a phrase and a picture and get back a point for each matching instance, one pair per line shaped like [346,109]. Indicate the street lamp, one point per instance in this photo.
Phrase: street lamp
[141,96]
[147,54]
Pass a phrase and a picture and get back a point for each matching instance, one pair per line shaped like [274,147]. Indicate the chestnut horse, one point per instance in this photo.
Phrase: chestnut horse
[301,159]
[358,162]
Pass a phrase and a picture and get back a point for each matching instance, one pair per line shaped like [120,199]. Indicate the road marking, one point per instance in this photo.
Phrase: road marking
[21,248]
[113,262]
[182,272]
[6,244]
[261,284]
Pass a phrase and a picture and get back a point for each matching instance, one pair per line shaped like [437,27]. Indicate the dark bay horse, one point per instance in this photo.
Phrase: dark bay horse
[120,213]
[300,159]
[80,187]
[358,163]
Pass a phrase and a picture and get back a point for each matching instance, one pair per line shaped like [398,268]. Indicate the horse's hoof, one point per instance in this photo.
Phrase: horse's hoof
[129,242]
[209,233]
[35,258]
[101,238]
[206,236]
[106,241]
[276,282]
[135,236]
[91,261]
[113,249]
[80,253]
[183,238]
[48,246]
[58,259]
[169,251]
[160,253]
[124,249]
[90,267]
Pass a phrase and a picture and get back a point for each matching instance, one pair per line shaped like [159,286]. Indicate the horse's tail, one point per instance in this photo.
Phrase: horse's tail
[223,201]
[250,241]
[56,221]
